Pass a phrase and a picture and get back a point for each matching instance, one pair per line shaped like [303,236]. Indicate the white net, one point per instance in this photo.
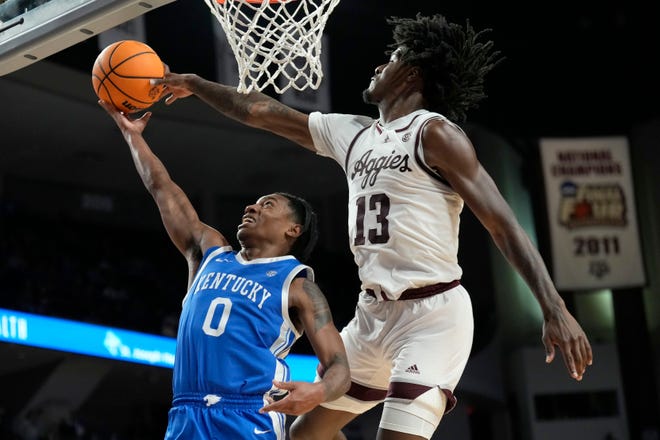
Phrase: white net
[276,43]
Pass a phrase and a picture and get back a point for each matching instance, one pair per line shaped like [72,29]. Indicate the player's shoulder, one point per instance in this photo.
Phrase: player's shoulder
[363,120]
[444,140]
[345,118]
[438,125]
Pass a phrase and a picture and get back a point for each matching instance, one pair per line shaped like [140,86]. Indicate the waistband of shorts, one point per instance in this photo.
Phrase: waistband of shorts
[418,292]
[250,401]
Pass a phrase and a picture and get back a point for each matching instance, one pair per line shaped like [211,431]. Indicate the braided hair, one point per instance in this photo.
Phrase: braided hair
[304,215]
[452,59]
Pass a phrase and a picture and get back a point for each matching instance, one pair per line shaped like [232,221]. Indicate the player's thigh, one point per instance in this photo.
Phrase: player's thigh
[363,340]
[320,424]
[434,347]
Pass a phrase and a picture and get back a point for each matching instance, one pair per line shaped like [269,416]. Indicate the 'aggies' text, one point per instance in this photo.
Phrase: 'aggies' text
[369,168]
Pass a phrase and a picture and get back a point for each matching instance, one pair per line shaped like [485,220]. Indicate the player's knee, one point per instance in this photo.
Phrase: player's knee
[309,428]
[420,416]
[299,429]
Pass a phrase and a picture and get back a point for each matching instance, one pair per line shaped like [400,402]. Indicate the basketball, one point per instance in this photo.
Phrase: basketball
[122,72]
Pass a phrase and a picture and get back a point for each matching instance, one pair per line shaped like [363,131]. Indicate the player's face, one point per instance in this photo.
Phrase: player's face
[267,219]
[386,77]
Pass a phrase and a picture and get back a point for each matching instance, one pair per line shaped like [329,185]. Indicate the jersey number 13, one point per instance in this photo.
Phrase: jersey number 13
[379,203]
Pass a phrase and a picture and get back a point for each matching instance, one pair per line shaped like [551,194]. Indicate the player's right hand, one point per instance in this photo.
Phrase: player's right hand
[302,397]
[176,85]
[563,331]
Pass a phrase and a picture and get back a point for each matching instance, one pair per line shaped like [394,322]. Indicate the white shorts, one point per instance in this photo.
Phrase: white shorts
[398,349]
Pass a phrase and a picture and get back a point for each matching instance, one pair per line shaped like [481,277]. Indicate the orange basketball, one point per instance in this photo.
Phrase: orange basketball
[122,72]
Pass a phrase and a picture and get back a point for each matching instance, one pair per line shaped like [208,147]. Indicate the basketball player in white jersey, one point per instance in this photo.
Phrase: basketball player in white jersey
[242,313]
[409,174]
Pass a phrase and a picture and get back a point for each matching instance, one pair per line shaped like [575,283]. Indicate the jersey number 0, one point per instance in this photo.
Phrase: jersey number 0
[208,320]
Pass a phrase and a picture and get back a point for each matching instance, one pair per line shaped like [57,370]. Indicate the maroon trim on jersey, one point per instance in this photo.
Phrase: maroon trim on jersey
[366,394]
[406,390]
[397,390]
[419,292]
[411,391]
[350,147]
[451,400]
[418,158]
[379,125]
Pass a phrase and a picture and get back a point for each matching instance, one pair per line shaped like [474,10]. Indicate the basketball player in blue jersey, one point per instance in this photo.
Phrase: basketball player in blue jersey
[409,174]
[242,312]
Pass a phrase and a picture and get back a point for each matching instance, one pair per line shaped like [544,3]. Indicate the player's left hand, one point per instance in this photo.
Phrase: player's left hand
[563,331]
[302,397]
[126,124]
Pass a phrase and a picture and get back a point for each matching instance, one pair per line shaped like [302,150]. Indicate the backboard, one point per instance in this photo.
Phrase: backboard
[31,30]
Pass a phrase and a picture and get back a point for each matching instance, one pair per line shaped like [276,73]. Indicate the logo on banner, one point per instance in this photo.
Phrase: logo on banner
[586,205]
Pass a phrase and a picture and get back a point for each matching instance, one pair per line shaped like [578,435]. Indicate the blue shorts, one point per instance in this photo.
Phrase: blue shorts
[221,417]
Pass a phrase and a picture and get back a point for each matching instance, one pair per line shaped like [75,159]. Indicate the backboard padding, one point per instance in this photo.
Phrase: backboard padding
[58,24]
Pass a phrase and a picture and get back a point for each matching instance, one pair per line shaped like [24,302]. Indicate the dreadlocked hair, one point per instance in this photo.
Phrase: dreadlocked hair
[304,215]
[452,60]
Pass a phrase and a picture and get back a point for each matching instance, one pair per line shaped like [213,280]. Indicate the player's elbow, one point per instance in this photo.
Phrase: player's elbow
[340,380]
[156,182]
[259,113]
[346,383]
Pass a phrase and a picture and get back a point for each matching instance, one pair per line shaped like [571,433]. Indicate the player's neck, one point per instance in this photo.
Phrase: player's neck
[253,253]
[399,107]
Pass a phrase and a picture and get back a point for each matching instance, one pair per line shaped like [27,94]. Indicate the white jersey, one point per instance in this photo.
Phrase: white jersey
[403,218]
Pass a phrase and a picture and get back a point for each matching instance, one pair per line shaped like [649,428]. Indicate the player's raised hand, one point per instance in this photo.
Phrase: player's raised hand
[176,85]
[563,331]
[302,397]
[123,122]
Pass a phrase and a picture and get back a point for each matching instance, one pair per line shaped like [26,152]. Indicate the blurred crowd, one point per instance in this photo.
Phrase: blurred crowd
[106,275]
[55,421]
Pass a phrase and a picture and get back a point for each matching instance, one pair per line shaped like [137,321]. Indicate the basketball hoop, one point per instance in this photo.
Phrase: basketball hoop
[275,42]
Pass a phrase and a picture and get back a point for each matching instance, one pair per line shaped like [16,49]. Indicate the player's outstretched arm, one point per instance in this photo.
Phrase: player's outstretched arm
[254,109]
[179,217]
[450,152]
[313,311]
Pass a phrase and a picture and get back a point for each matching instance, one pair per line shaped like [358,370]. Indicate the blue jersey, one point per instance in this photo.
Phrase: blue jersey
[234,330]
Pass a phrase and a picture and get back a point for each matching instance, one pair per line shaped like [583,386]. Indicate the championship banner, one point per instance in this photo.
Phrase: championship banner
[591,213]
